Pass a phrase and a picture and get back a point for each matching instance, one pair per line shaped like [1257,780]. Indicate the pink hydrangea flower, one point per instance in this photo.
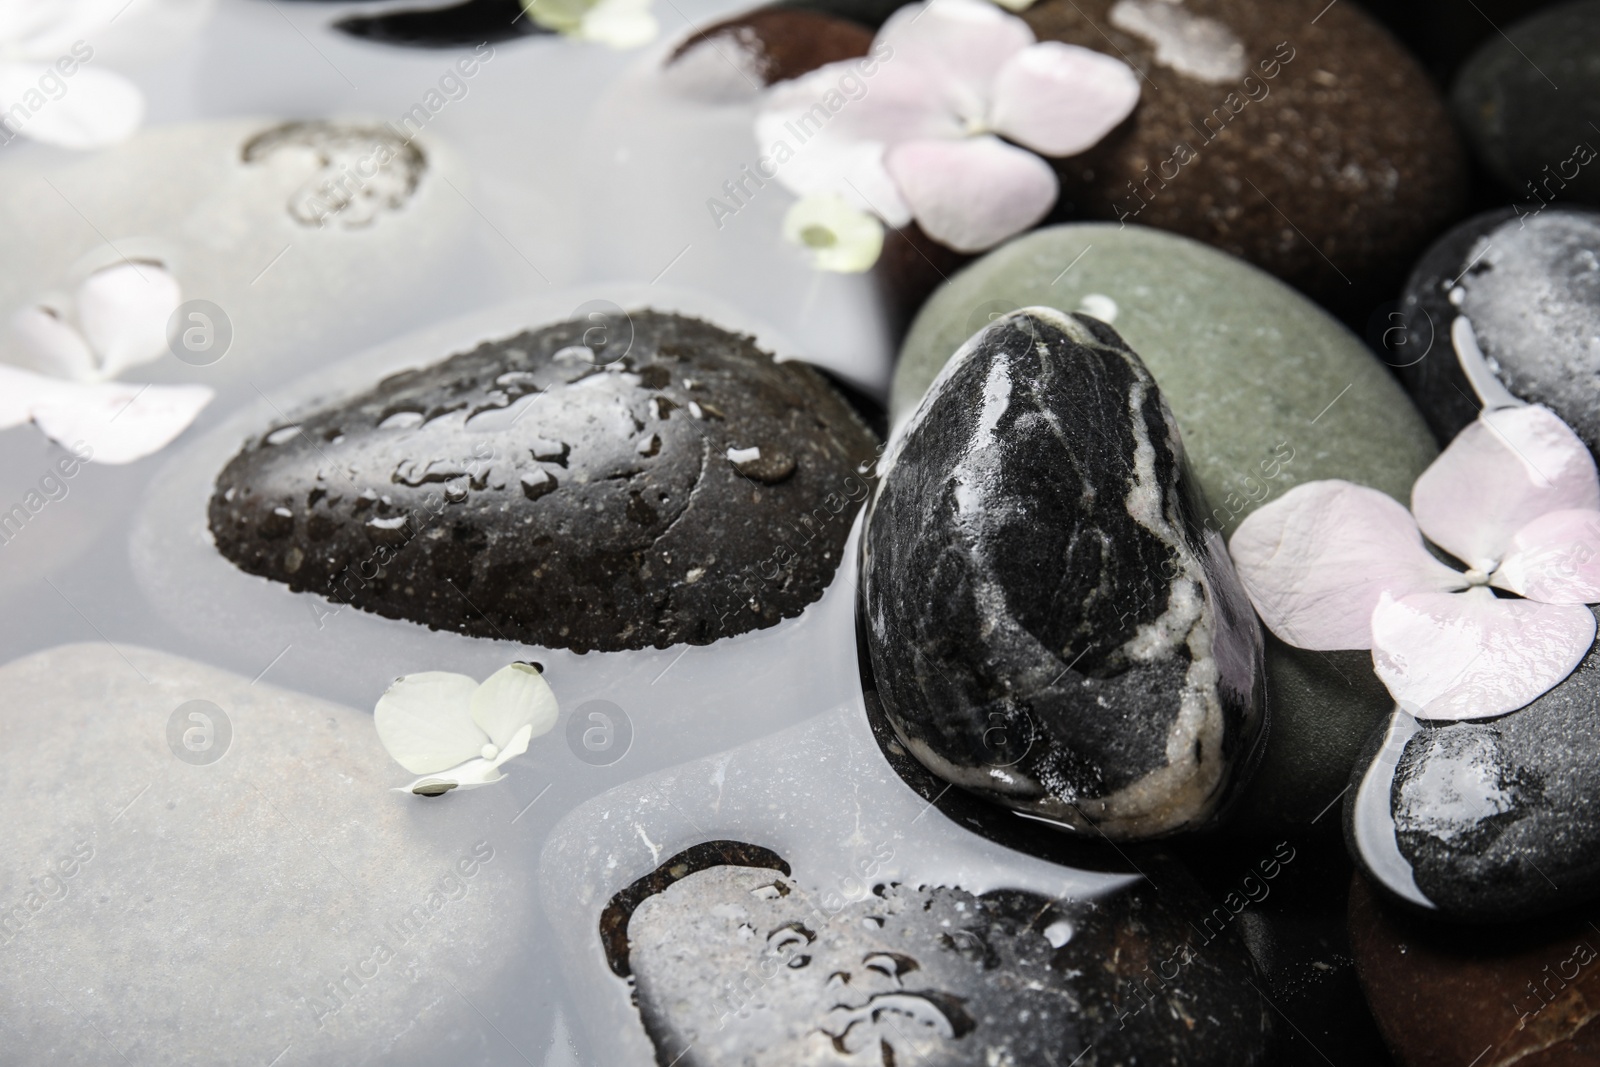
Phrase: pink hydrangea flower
[1515,498]
[924,140]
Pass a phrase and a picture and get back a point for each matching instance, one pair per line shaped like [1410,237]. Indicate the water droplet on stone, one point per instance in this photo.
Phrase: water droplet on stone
[401,420]
[536,483]
[282,435]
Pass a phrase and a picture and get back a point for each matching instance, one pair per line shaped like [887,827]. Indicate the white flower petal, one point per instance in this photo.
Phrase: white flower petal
[425,722]
[621,24]
[41,32]
[54,345]
[1316,560]
[964,42]
[1060,99]
[839,236]
[1555,559]
[511,698]
[517,745]
[121,421]
[22,390]
[468,775]
[1471,655]
[1504,470]
[100,107]
[974,193]
[123,312]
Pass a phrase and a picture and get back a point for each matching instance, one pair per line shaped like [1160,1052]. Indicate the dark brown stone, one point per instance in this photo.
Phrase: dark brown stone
[1332,173]
[774,44]
[685,489]
[1449,996]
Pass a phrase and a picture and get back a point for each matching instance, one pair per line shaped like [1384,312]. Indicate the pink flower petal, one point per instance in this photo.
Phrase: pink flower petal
[965,43]
[1059,99]
[1472,655]
[1316,560]
[974,193]
[1499,474]
[1555,559]
[825,132]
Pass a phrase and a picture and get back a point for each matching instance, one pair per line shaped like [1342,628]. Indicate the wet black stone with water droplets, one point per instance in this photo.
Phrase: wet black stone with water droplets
[520,491]
[739,965]
[1528,279]
[1500,819]
[1048,624]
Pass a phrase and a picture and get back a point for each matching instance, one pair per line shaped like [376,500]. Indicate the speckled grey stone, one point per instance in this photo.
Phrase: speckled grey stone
[1048,622]
[1530,285]
[673,485]
[740,966]
[202,869]
[1499,820]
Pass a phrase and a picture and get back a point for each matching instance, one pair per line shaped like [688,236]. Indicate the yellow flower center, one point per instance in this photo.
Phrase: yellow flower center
[818,236]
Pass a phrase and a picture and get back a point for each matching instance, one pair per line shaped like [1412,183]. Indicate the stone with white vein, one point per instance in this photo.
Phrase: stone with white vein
[1048,622]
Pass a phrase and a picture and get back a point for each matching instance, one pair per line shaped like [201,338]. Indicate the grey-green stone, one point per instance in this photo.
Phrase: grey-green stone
[1269,392]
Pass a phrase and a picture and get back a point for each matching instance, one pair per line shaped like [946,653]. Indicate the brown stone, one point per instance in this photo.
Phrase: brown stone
[1450,995]
[775,44]
[1317,150]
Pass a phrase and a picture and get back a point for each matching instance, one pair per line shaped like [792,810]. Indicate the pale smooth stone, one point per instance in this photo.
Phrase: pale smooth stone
[154,911]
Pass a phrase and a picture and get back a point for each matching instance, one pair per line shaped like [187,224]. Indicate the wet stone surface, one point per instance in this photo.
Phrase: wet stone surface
[736,58]
[1253,114]
[1529,282]
[741,965]
[1047,622]
[535,489]
[1500,820]
[363,171]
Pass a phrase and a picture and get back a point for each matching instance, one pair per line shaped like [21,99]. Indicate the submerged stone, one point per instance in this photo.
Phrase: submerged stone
[738,965]
[1048,622]
[674,484]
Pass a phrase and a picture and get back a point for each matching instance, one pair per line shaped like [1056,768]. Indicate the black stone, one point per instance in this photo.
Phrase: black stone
[1529,103]
[1528,280]
[739,964]
[1499,819]
[1030,639]
[526,491]
[457,26]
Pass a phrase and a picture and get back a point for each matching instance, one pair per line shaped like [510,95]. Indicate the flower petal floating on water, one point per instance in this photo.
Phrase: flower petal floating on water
[455,732]
[839,236]
[118,320]
[621,24]
[910,132]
